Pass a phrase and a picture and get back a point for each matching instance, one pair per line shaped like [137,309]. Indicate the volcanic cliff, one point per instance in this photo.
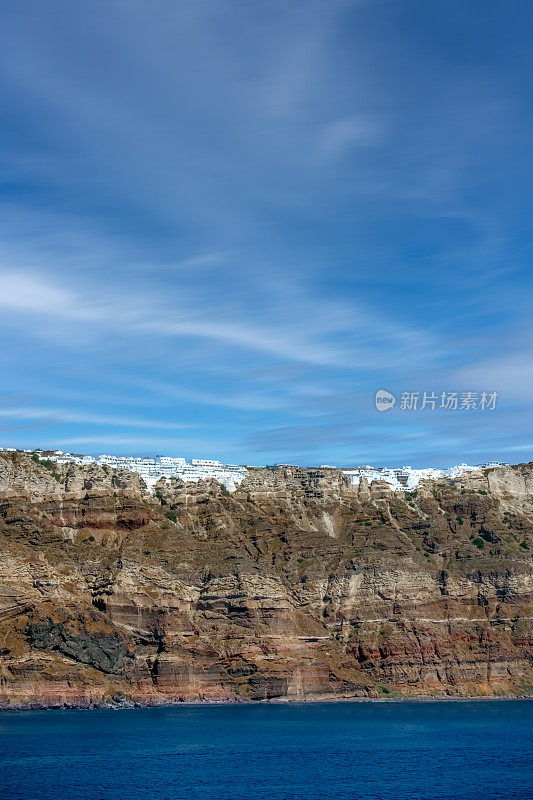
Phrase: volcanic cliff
[297,585]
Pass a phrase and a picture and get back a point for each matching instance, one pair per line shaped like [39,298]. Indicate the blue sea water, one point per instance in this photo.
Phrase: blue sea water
[414,750]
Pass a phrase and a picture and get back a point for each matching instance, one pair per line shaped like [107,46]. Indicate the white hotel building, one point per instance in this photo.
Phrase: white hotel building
[152,469]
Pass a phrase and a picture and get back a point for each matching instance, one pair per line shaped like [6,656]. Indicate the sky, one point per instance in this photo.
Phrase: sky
[225,225]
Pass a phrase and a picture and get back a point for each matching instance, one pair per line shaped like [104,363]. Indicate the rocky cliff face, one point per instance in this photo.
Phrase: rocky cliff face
[297,585]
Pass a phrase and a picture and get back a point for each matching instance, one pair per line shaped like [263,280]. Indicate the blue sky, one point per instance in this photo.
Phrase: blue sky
[225,225]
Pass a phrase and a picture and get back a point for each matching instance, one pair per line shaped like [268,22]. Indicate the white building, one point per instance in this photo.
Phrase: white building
[146,467]
[170,461]
[405,479]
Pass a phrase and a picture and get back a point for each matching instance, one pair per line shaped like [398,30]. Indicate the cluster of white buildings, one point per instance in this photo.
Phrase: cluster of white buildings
[405,479]
[402,479]
[152,469]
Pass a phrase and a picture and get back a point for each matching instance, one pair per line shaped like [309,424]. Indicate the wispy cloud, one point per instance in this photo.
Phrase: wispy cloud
[510,375]
[51,416]
[314,332]
[32,293]
[339,136]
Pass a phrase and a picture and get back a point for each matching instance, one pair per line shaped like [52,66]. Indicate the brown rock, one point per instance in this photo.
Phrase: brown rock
[296,585]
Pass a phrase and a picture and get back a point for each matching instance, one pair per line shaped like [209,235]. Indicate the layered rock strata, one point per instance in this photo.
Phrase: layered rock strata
[297,585]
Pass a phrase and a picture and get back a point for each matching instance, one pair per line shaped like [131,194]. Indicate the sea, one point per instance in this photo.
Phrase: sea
[476,750]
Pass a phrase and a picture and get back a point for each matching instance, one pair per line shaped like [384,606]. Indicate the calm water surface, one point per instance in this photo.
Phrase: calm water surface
[419,751]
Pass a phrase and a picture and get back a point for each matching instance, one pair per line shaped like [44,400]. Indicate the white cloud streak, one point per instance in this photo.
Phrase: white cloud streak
[52,416]
[309,334]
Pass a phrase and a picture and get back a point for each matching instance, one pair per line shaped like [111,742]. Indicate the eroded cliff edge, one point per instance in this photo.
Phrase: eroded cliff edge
[297,585]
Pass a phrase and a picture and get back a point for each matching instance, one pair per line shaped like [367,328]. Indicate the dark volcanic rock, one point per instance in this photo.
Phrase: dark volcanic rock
[99,650]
